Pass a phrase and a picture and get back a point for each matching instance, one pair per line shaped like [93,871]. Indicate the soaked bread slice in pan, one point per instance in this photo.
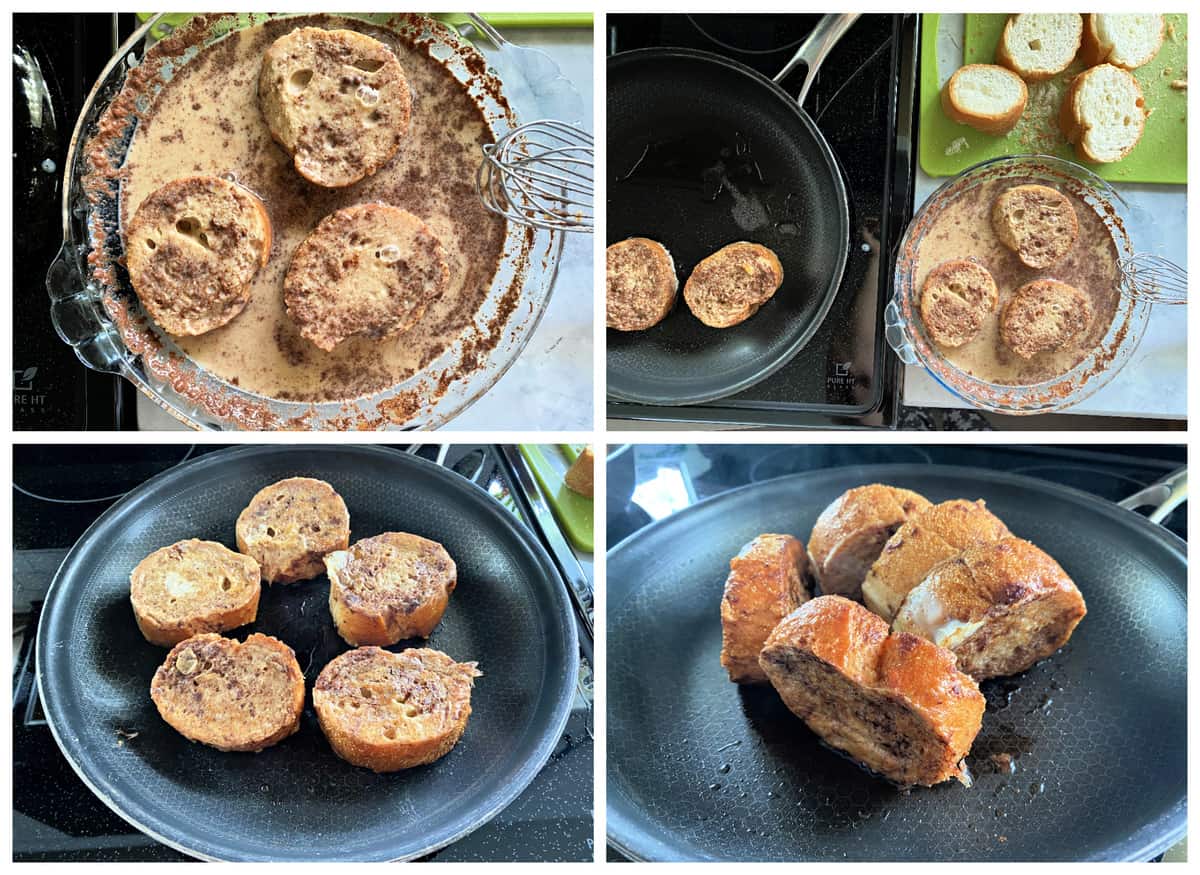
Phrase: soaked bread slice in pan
[937,533]
[640,284]
[289,526]
[895,703]
[729,286]
[999,607]
[389,587]
[767,580]
[230,695]
[191,587]
[849,534]
[337,101]
[389,711]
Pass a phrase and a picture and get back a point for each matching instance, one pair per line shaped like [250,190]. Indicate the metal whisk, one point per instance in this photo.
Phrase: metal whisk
[1153,278]
[540,174]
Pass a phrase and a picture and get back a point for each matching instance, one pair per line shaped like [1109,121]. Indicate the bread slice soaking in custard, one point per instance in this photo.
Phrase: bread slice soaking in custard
[368,271]
[337,100]
[192,249]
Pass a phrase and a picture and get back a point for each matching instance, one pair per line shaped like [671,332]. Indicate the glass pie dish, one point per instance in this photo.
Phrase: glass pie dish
[95,310]
[906,333]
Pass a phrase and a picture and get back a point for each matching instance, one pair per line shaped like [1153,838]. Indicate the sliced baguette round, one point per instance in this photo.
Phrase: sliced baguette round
[1040,45]
[1103,114]
[230,695]
[369,270]
[389,711]
[956,298]
[895,703]
[191,587]
[640,284]
[581,476]
[389,587]
[1036,222]
[850,533]
[768,579]
[999,607]
[1128,40]
[192,248]
[1044,315]
[987,97]
[938,533]
[729,286]
[289,526]
[337,101]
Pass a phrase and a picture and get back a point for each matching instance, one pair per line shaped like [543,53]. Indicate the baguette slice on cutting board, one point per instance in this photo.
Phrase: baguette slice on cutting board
[574,512]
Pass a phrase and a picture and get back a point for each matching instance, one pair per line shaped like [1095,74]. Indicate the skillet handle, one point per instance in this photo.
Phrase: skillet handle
[1168,493]
[812,51]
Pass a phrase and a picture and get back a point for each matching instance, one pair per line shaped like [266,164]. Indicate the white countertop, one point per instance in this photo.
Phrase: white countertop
[1154,382]
[550,386]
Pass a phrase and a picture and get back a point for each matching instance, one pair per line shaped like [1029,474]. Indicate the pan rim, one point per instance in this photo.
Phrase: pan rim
[828,294]
[636,841]
[532,766]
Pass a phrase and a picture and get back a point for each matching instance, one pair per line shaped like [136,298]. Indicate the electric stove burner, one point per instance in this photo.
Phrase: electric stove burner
[754,34]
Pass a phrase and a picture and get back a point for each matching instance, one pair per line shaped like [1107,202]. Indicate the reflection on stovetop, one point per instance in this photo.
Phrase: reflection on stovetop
[842,372]
[59,490]
[650,481]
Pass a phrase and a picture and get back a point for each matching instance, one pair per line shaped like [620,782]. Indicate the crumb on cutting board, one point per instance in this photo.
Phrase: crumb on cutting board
[957,145]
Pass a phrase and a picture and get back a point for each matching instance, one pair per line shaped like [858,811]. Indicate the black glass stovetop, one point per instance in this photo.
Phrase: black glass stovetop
[861,101]
[56,60]
[58,492]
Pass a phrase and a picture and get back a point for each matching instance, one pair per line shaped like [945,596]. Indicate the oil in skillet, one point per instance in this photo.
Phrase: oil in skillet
[718,169]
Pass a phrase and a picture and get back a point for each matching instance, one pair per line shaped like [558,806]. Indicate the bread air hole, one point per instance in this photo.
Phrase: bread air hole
[270,532]
[226,584]
[299,81]
[150,244]
[1035,45]
[367,65]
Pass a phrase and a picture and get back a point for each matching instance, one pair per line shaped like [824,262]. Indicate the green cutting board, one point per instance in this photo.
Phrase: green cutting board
[1160,156]
[573,511]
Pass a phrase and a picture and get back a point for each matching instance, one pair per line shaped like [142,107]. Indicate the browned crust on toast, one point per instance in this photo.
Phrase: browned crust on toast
[389,711]
[767,580]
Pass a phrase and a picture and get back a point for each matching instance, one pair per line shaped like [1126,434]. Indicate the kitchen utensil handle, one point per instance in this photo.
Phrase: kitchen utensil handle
[79,317]
[1167,494]
[484,27]
[813,50]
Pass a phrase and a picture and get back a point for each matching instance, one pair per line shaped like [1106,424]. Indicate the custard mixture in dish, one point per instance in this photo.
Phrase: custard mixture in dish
[207,120]
[964,230]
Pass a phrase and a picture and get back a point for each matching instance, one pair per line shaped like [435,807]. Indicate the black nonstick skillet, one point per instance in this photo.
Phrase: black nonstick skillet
[297,800]
[699,768]
[703,152]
